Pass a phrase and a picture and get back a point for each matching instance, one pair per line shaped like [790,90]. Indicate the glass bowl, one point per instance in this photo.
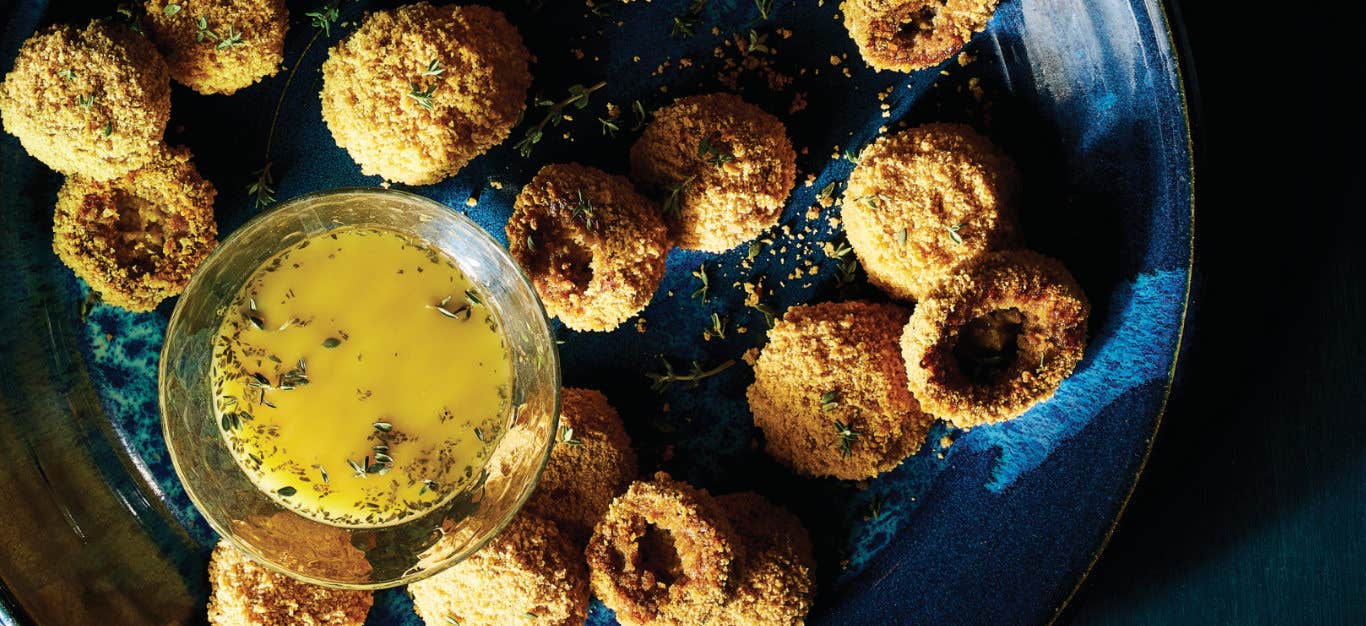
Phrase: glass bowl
[338,556]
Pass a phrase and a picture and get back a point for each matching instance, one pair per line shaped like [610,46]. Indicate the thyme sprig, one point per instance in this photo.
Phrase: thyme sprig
[713,153]
[422,97]
[262,190]
[661,381]
[673,203]
[765,8]
[325,16]
[685,24]
[701,274]
[953,233]
[846,435]
[578,98]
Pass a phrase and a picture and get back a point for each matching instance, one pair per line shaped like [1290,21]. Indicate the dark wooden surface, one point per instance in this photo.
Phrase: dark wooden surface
[1253,506]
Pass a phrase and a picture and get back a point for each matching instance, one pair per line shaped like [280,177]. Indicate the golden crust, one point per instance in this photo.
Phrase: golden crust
[1045,303]
[662,555]
[830,364]
[136,239]
[243,42]
[908,35]
[369,78]
[720,206]
[774,581]
[247,594]
[925,200]
[593,247]
[92,101]
[529,569]
[592,463]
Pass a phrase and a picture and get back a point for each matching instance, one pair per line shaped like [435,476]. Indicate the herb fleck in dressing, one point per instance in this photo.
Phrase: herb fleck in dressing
[359,378]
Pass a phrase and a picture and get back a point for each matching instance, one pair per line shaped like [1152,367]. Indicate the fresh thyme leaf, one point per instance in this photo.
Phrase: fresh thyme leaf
[712,153]
[753,251]
[472,298]
[108,128]
[846,436]
[584,210]
[765,7]
[356,467]
[434,68]
[662,381]
[231,40]
[827,194]
[953,233]
[639,110]
[685,24]
[451,620]
[701,274]
[673,204]
[718,326]
[85,100]
[325,16]
[67,74]
[756,44]
[578,98]
[567,437]
[423,98]
[609,127]
[262,190]
[321,471]
[530,243]
[331,342]
[829,401]
[901,236]
[770,315]
[383,427]
[479,434]
[287,491]
[170,9]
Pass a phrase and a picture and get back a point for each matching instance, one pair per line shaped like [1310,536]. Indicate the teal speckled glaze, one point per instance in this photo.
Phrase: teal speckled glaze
[997,527]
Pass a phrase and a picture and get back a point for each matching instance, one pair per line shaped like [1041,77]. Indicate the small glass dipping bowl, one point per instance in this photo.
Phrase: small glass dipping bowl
[338,556]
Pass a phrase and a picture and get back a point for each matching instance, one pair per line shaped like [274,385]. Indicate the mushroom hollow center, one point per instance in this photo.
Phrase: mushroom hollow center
[659,555]
[988,345]
[919,21]
[570,258]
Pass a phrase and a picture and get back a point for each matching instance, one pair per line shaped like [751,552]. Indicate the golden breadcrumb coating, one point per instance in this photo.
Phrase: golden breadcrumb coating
[996,337]
[92,101]
[773,582]
[592,463]
[529,574]
[416,92]
[731,162]
[243,593]
[922,201]
[908,35]
[663,555]
[136,239]
[593,247]
[219,46]
[830,392]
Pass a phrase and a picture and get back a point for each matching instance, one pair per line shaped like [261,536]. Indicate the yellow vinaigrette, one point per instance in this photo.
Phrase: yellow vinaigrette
[359,379]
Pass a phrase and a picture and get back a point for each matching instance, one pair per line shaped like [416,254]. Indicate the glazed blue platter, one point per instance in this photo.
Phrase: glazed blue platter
[999,527]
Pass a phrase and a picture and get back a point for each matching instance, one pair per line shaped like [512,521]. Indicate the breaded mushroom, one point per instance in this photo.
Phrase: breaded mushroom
[909,35]
[529,574]
[593,247]
[996,337]
[923,201]
[219,46]
[830,391]
[722,167]
[91,101]
[592,463]
[663,554]
[137,239]
[773,582]
[244,593]
[416,92]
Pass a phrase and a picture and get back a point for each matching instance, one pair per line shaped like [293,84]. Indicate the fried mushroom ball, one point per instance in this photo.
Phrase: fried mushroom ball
[219,46]
[909,35]
[923,201]
[592,463]
[529,573]
[773,581]
[243,593]
[416,92]
[996,337]
[593,247]
[722,167]
[830,391]
[137,238]
[663,554]
[91,101]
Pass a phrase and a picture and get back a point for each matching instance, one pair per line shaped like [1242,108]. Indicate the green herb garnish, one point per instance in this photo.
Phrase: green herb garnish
[662,381]
[701,274]
[847,436]
[324,17]
[953,233]
[712,153]
[578,98]
[423,98]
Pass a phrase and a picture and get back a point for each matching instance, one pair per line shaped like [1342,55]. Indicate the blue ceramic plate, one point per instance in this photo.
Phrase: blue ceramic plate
[999,527]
